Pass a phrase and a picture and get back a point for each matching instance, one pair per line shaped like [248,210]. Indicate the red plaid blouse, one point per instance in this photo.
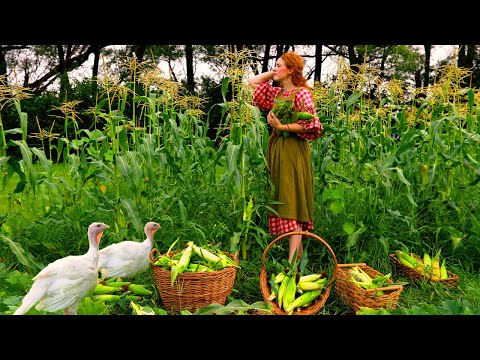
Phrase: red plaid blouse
[264,97]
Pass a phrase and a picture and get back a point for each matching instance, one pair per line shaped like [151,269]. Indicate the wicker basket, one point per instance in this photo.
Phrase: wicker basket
[417,276]
[265,288]
[356,297]
[193,290]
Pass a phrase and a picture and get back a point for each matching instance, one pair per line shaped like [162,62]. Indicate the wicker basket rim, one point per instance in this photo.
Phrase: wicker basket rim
[319,302]
[308,234]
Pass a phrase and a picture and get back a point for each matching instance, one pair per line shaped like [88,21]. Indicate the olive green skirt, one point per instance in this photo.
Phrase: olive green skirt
[291,176]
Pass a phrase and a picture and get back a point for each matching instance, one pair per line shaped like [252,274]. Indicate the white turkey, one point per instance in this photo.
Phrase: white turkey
[127,258]
[64,283]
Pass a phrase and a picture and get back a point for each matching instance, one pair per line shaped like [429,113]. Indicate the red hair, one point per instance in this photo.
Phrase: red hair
[295,62]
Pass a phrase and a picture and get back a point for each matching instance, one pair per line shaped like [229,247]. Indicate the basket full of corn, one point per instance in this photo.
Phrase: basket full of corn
[429,268]
[358,285]
[301,287]
[193,277]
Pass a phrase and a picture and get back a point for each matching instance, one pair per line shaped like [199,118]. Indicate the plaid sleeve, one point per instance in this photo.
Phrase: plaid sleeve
[304,101]
[264,96]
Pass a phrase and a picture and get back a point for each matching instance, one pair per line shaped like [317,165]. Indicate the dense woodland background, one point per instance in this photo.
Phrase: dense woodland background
[58,74]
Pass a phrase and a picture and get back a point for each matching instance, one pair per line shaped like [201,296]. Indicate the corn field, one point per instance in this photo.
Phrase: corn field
[397,171]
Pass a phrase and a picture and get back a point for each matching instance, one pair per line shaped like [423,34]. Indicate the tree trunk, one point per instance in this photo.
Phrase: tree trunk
[266,58]
[317,76]
[426,74]
[3,63]
[189,64]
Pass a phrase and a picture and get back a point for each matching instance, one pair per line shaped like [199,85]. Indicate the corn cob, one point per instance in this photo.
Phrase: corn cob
[132,297]
[281,290]
[105,289]
[406,259]
[303,299]
[436,266]
[443,270]
[290,291]
[106,297]
[183,262]
[310,277]
[206,255]
[139,289]
[311,285]
[279,277]
[194,267]
[226,260]
[303,115]
[119,283]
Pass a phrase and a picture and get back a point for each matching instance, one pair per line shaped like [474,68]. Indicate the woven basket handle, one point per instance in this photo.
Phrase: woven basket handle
[307,233]
[152,254]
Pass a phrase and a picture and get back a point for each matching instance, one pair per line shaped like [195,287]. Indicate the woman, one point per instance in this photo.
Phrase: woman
[288,157]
